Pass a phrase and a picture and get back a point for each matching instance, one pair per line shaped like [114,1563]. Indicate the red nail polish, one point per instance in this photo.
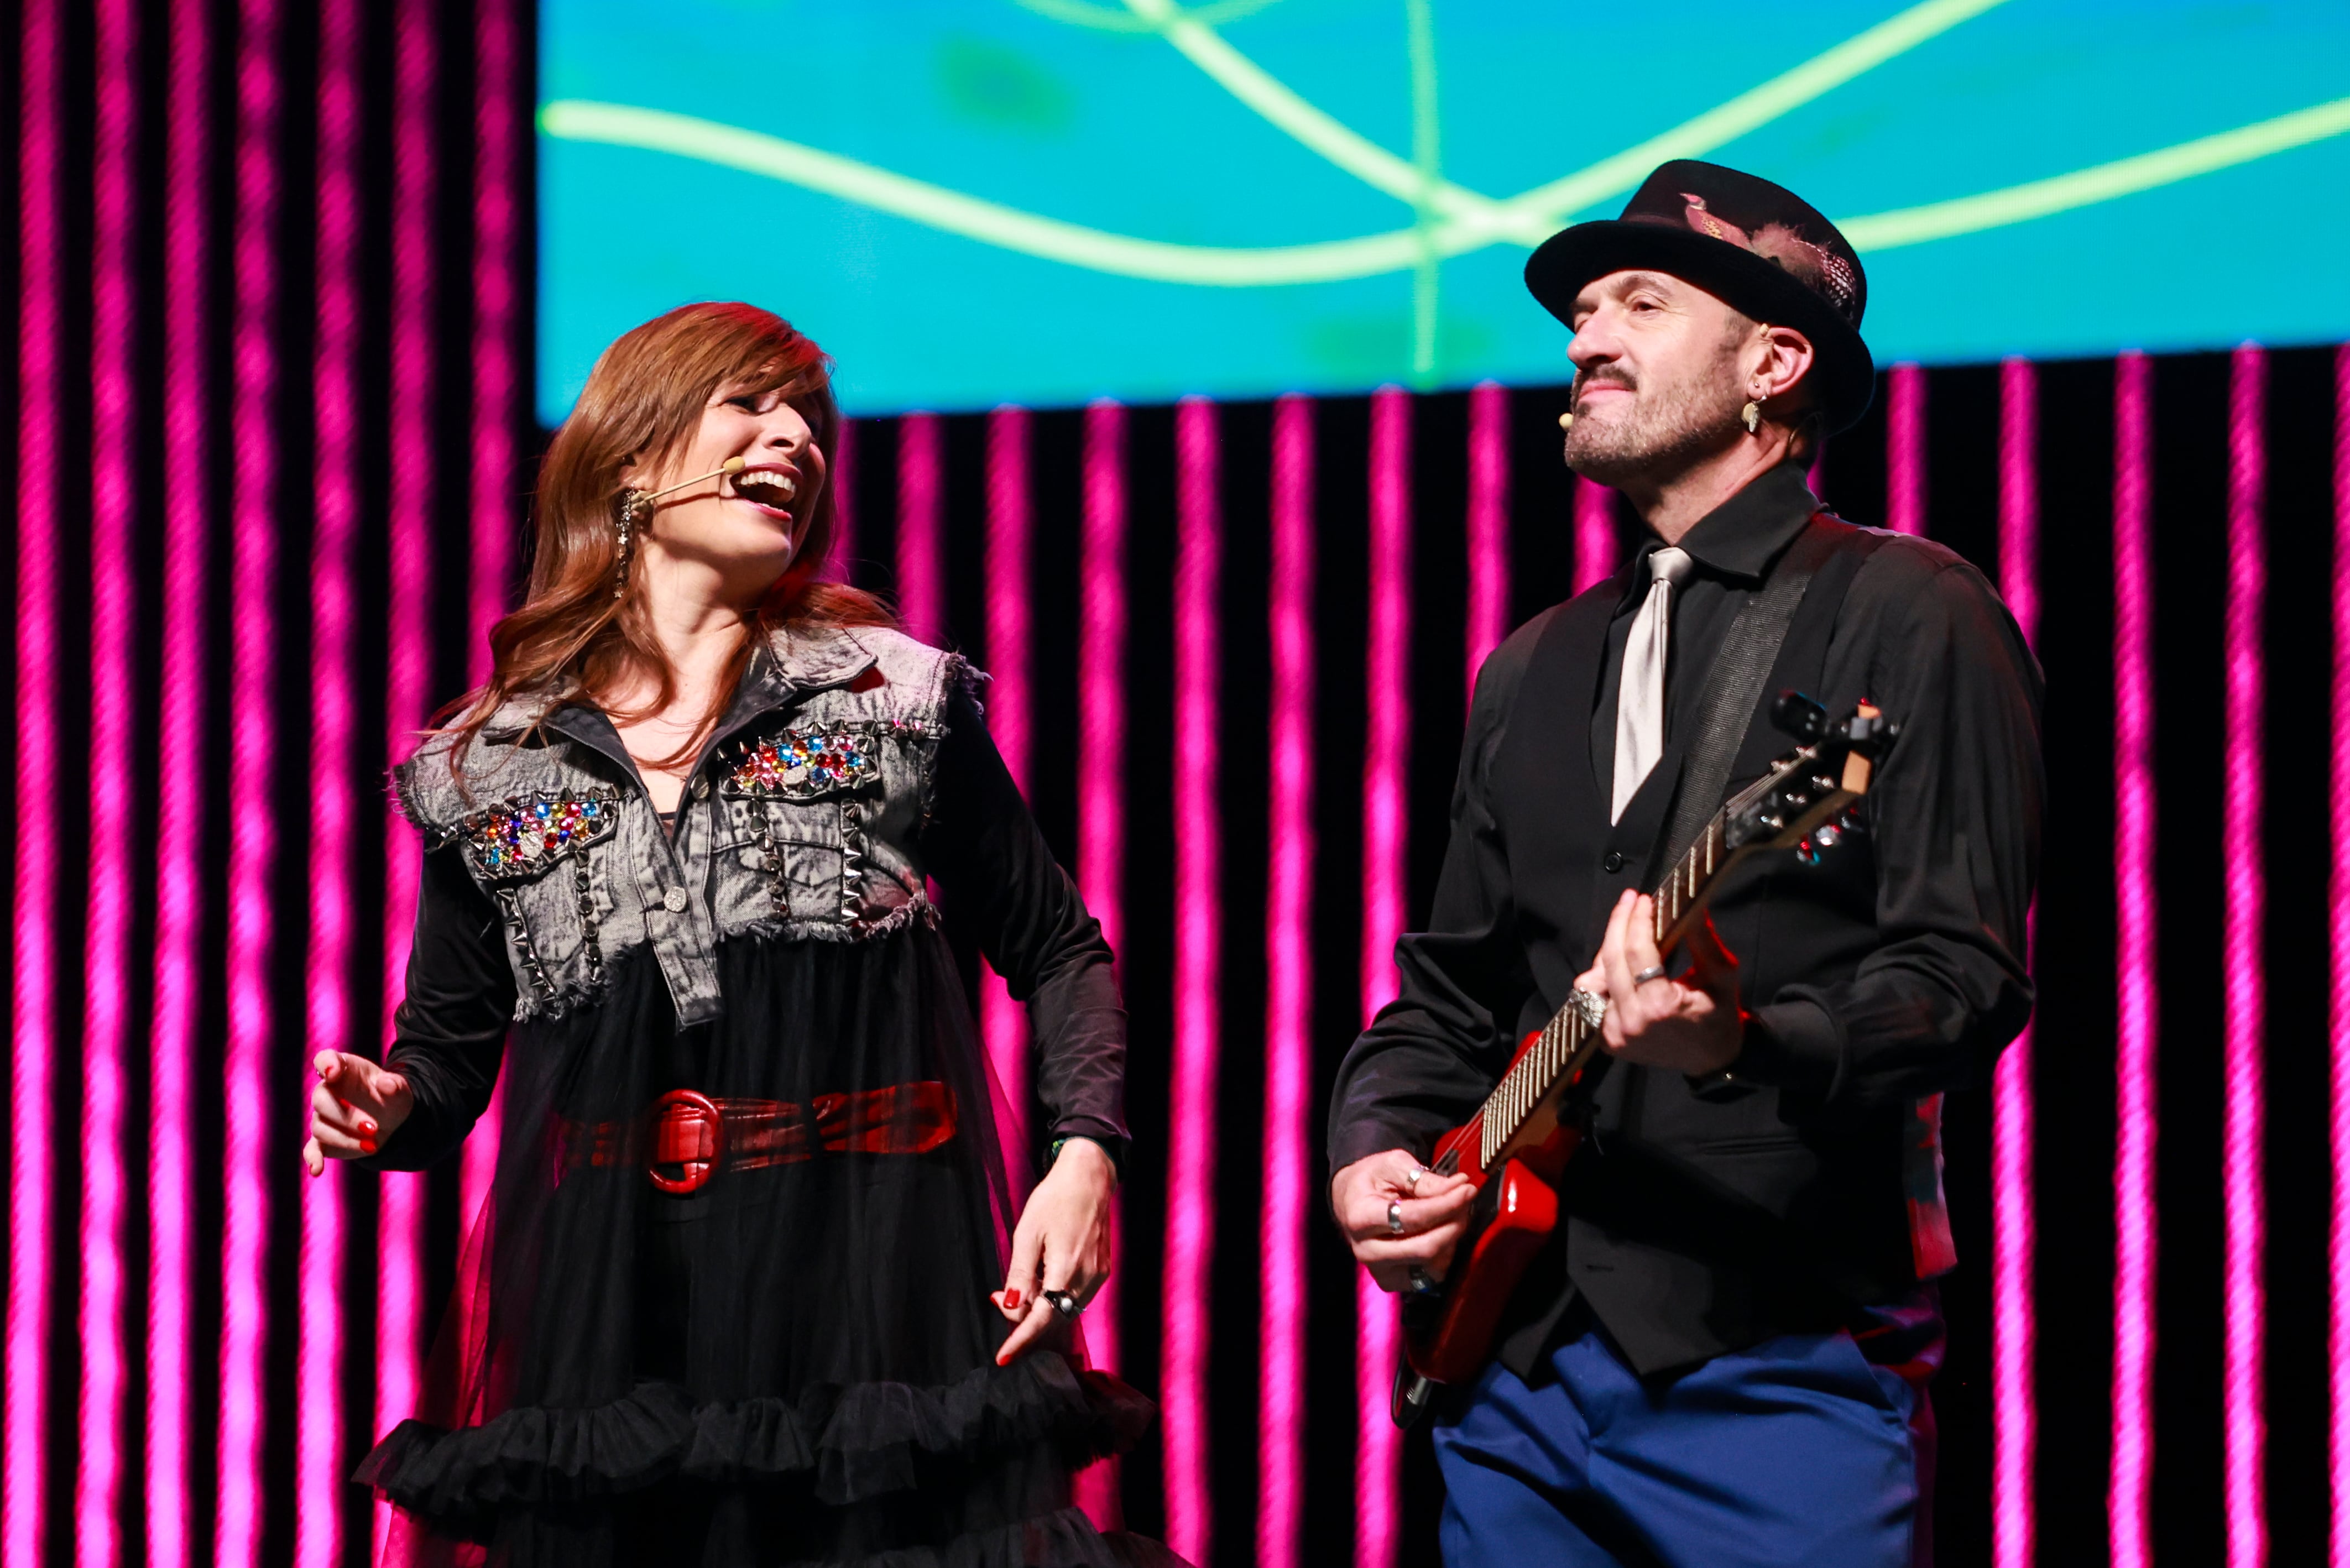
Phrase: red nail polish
[1011,1300]
[367,1146]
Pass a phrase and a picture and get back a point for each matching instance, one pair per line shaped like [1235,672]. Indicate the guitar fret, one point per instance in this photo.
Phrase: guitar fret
[1531,1079]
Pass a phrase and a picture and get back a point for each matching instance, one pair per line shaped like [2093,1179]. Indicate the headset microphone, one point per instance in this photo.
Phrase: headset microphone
[731,467]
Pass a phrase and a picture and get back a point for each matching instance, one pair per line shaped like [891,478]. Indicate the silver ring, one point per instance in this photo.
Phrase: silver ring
[1654,971]
[1062,1302]
[1422,1282]
[1411,1182]
[1395,1217]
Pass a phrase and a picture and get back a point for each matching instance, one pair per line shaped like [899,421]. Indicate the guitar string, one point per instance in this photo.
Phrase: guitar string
[1506,1111]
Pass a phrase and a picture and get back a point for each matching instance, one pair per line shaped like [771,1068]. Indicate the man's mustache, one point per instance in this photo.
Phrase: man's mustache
[1609,379]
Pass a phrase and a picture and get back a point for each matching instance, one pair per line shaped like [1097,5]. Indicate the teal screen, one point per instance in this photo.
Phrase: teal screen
[1044,202]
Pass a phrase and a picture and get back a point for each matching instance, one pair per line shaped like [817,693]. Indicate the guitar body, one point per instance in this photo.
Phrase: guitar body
[1450,1337]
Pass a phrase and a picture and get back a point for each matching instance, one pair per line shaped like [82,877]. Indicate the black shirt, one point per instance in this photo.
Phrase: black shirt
[1889,972]
[998,879]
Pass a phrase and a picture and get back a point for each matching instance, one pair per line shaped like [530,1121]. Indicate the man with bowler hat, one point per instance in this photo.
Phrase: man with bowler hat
[1722,1355]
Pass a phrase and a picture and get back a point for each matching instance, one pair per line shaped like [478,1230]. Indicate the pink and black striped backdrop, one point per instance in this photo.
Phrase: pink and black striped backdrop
[270,354]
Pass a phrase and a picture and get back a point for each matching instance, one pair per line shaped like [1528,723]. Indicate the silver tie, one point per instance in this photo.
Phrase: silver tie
[1640,699]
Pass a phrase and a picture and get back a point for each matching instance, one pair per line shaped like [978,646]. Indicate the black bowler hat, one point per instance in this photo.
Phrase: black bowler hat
[1758,247]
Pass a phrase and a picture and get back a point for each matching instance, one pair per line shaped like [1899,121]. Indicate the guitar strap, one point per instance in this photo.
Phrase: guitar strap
[1725,710]
[1734,685]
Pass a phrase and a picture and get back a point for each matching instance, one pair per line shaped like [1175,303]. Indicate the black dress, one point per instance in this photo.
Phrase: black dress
[795,1362]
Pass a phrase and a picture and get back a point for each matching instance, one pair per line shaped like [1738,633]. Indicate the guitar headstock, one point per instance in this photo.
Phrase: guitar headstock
[1806,799]
[1804,803]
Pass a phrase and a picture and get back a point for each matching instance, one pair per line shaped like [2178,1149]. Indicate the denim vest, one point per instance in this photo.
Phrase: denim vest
[800,820]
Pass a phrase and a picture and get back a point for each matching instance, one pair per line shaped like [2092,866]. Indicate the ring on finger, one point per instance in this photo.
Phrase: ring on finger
[1395,1217]
[1411,1182]
[1063,1302]
[1654,971]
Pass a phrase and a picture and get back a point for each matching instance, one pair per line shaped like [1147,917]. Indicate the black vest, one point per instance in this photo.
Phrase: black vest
[1696,1226]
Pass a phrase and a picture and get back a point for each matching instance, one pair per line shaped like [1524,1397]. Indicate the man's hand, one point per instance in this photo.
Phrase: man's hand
[355,1106]
[1062,1243]
[1691,1025]
[1434,1210]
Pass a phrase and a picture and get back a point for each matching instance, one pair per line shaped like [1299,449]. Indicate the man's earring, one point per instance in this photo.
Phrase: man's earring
[630,511]
[1753,414]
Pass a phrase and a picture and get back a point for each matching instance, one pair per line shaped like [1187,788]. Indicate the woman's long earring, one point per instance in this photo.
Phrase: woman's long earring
[633,509]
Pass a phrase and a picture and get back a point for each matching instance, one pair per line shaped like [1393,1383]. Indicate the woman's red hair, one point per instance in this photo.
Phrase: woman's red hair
[573,638]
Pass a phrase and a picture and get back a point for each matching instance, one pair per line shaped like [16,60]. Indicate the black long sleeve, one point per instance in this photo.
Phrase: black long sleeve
[998,875]
[1434,1053]
[1954,813]
[1001,880]
[1859,1000]
[449,1031]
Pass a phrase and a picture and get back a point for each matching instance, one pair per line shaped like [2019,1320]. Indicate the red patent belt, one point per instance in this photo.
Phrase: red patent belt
[688,1137]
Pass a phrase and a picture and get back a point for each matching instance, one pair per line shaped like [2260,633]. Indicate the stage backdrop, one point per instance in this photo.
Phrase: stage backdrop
[271,275]
[1048,200]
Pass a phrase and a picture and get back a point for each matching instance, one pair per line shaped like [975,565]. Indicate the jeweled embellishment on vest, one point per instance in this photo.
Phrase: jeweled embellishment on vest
[800,763]
[519,839]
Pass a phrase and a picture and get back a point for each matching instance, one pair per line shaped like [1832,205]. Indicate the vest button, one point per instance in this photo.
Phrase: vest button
[674,900]
[1614,863]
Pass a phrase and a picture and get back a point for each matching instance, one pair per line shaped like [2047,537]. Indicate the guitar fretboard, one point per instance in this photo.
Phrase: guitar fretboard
[1566,1044]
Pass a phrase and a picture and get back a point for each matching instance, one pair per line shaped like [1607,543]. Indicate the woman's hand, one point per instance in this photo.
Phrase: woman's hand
[354,1108]
[1062,1243]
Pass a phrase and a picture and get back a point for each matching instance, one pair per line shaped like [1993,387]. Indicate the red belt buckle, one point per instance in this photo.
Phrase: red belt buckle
[688,1136]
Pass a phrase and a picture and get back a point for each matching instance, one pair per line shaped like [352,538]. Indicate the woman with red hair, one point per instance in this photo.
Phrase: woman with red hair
[750,1288]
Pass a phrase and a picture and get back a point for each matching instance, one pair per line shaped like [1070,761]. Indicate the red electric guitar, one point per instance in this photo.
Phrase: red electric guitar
[1518,1145]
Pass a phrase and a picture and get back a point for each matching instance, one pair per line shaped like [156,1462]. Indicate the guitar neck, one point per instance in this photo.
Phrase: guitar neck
[1791,806]
[1558,1055]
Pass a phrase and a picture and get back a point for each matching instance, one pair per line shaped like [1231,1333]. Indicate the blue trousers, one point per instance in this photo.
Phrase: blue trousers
[1805,1449]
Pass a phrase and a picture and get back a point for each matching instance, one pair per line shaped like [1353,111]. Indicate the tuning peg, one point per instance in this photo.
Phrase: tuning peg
[1821,783]
[1797,716]
[1772,820]
[1807,854]
[1828,835]
[1869,730]
[1852,821]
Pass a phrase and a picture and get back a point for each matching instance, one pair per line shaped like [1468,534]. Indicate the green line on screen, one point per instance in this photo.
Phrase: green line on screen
[2105,181]
[1367,256]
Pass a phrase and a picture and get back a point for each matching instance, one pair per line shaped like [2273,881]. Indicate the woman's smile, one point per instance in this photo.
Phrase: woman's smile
[770,487]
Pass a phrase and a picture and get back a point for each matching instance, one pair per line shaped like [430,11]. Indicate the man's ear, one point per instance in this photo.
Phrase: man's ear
[1787,359]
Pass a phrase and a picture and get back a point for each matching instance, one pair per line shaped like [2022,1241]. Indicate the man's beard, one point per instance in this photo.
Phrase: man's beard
[1652,436]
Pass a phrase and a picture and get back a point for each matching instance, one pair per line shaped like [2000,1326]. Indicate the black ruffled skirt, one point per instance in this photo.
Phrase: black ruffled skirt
[793,1364]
